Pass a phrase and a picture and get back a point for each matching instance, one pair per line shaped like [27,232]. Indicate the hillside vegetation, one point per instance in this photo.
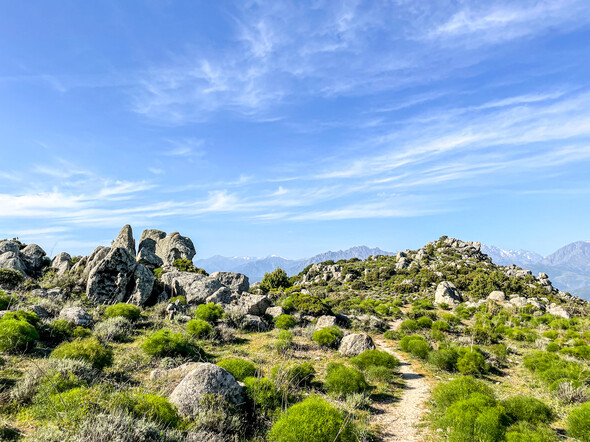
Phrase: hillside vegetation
[127,345]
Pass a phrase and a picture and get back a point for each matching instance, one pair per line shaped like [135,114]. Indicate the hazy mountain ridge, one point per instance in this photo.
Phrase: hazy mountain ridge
[568,267]
[255,268]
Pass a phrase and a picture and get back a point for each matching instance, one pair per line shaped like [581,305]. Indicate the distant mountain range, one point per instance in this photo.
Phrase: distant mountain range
[255,268]
[568,268]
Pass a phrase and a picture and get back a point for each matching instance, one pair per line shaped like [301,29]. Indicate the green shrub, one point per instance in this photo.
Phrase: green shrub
[294,375]
[424,322]
[90,350]
[308,304]
[7,300]
[180,298]
[472,362]
[444,359]
[525,432]
[551,334]
[528,409]
[10,277]
[284,340]
[145,405]
[60,329]
[285,322]
[239,368]
[313,419]
[263,393]
[209,312]
[116,329]
[409,326]
[446,394]
[22,315]
[419,348]
[440,325]
[128,311]
[578,422]
[390,334]
[328,337]
[165,342]
[381,374]
[275,280]
[374,358]
[342,380]
[476,418]
[198,328]
[405,341]
[16,335]
[186,265]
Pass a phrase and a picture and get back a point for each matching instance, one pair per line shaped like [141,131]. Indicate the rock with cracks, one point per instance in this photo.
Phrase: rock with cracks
[355,344]
[447,293]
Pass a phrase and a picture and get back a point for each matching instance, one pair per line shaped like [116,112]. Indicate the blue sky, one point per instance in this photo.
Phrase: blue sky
[291,128]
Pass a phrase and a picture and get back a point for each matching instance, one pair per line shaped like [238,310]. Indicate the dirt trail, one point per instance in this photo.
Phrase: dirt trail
[398,419]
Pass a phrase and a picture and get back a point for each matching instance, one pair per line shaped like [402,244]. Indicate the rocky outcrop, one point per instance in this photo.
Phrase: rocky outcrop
[144,284]
[253,323]
[173,247]
[205,380]
[146,253]
[254,304]
[11,260]
[111,280]
[447,293]
[76,315]
[29,261]
[355,344]
[236,282]
[61,263]
[558,310]
[196,288]
[125,240]
[325,322]
[34,258]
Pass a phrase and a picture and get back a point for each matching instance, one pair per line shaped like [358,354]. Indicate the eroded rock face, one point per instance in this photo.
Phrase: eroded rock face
[447,293]
[144,284]
[173,247]
[205,379]
[254,304]
[113,277]
[125,240]
[355,344]
[196,288]
[29,261]
[76,315]
[34,258]
[62,263]
[236,282]
[11,260]
[147,248]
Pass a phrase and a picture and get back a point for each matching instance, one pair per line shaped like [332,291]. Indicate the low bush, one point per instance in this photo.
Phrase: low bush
[284,341]
[328,337]
[115,329]
[405,341]
[476,418]
[90,350]
[199,328]
[472,362]
[308,304]
[528,409]
[424,322]
[390,334]
[186,265]
[285,322]
[263,393]
[525,432]
[440,325]
[446,394]
[10,277]
[145,405]
[419,348]
[60,330]
[444,359]
[374,358]
[377,374]
[313,419]
[7,300]
[578,423]
[16,335]
[165,342]
[209,312]
[409,326]
[128,311]
[239,368]
[294,375]
[22,315]
[276,279]
[342,380]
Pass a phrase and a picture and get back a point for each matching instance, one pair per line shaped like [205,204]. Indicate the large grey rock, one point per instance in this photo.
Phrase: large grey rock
[558,310]
[75,315]
[221,296]
[125,240]
[146,253]
[497,296]
[61,263]
[39,311]
[253,323]
[174,247]
[196,288]
[518,301]
[95,258]
[8,246]
[275,312]
[34,258]
[447,293]
[236,282]
[110,280]
[11,260]
[205,380]
[325,322]
[144,284]
[355,344]
[254,304]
